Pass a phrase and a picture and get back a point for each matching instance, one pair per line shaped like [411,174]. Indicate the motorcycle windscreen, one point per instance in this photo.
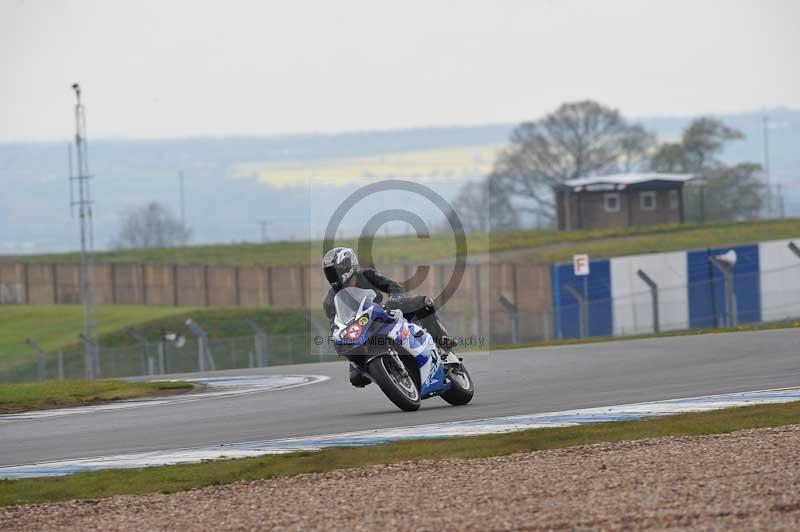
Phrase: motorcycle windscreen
[348,301]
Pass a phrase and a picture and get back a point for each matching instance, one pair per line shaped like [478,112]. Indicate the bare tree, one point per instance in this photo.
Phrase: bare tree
[484,206]
[577,139]
[722,192]
[637,144]
[150,226]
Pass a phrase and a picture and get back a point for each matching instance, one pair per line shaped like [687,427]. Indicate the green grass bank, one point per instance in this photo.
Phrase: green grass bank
[541,245]
[26,396]
[170,479]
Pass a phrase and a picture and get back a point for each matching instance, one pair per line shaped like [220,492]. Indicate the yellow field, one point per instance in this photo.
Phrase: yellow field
[424,165]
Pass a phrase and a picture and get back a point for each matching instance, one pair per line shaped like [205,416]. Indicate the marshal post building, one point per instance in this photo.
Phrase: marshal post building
[620,200]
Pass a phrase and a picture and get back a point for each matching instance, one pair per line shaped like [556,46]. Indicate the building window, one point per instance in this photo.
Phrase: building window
[611,202]
[674,200]
[647,200]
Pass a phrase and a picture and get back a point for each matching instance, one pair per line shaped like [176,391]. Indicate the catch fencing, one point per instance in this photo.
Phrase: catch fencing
[165,357]
[501,304]
[511,327]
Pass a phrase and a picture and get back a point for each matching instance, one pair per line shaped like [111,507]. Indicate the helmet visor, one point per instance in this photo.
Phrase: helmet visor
[331,275]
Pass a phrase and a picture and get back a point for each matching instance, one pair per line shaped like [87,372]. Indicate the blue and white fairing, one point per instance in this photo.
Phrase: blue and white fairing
[358,321]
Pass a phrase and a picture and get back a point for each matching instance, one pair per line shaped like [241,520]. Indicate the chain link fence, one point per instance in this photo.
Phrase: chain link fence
[165,357]
[766,296]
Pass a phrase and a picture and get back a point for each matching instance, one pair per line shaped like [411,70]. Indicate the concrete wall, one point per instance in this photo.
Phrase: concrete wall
[632,301]
[472,308]
[780,280]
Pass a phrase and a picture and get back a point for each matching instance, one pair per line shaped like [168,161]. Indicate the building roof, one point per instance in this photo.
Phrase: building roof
[623,181]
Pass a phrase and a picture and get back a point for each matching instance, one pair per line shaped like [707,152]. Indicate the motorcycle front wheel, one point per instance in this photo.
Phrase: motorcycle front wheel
[395,382]
[461,389]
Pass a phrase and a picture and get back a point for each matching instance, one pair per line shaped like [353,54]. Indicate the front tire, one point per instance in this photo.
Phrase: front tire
[395,382]
[462,388]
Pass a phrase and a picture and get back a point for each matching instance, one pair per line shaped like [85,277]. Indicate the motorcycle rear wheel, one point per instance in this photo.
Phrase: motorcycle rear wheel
[395,382]
[462,389]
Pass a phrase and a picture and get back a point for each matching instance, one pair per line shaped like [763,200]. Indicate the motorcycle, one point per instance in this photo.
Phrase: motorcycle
[398,355]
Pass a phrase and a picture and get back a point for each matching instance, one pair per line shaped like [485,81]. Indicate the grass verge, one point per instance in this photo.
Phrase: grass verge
[183,477]
[54,327]
[555,245]
[58,394]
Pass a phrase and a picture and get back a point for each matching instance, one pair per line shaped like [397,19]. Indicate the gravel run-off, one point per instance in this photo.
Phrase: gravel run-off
[747,480]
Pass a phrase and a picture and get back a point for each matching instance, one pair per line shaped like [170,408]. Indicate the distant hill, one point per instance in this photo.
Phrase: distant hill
[232,182]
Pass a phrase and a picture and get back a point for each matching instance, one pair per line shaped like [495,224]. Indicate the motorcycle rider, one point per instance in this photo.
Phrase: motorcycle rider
[342,270]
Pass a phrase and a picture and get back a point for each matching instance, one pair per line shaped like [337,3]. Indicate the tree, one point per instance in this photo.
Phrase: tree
[728,193]
[483,206]
[577,139]
[720,192]
[702,141]
[150,226]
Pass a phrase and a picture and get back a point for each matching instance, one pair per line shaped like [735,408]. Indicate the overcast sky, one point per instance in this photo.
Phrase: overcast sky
[185,68]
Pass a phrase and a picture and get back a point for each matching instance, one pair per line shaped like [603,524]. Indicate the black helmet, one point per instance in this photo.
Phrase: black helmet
[339,265]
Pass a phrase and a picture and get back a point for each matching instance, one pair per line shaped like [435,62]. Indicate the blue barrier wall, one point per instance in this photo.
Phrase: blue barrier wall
[766,282]
[596,287]
[707,290]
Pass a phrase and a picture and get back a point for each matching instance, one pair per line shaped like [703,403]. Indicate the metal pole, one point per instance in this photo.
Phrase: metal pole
[702,202]
[205,360]
[583,309]
[653,296]
[513,310]
[264,224]
[260,341]
[84,204]
[733,315]
[41,366]
[766,148]
[795,249]
[162,360]
[546,325]
[732,318]
[142,339]
[93,360]
[61,365]
[162,348]
[183,204]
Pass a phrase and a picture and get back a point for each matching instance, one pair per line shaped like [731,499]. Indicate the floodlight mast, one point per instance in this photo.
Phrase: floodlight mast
[84,204]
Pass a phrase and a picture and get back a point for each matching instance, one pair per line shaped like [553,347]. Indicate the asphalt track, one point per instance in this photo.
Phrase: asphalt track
[514,382]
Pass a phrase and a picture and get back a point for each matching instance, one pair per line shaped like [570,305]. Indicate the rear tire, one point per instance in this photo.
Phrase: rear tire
[462,388]
[400,389]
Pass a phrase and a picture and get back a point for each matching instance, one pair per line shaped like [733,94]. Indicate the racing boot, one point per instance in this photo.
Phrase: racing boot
[436,328]
[357,377]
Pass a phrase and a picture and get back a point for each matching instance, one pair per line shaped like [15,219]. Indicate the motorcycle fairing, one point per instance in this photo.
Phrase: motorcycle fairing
[413,339]
[419,343]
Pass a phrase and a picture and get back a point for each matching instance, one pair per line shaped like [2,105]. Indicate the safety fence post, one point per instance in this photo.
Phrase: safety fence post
[654,298]
[142,340]
[261,339]
[93,360]
[42,368]
[513,311]
[731,314]
[794,248]
[205,360]
[583,309]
